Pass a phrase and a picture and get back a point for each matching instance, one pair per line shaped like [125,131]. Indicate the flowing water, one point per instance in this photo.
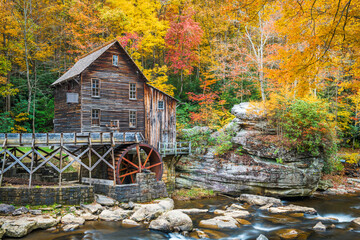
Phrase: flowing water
[344,208]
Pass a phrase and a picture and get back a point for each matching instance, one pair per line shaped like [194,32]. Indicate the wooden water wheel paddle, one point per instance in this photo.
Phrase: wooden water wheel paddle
[136,158]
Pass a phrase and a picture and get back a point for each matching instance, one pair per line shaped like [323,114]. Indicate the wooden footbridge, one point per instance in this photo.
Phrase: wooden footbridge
[122,153]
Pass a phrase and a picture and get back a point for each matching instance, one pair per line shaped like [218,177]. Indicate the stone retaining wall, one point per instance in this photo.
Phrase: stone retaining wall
[67,195]
[145,189]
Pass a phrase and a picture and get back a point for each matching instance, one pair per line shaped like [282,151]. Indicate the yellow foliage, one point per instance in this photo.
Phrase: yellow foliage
[158,79]
[352,158]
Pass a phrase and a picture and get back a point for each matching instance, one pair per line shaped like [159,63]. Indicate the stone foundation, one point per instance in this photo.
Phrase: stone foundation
[145,189]
[67,195]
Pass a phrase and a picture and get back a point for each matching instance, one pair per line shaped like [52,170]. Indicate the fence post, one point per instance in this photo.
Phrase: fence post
[32,158]
[4,159]
[61,158]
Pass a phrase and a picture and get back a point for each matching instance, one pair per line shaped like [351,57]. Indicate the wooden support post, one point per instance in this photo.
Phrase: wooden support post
[90,149]
[61,158]
[139,158]
[4,147]
[32,159]
[113,157]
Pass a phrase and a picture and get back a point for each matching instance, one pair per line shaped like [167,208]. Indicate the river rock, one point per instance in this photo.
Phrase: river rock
[94,208]
[72,219]
[201,234]
[330,219]
[324,185]
[70,227]
[193,210]
[88,216]
[262,165]
[235,207]
[173,220]
[116,215]
[104,200]
[289,233]
[130,223]
[45,222]
[243,221]
[221,222]
[6,209]
[259,200]
[319,227]
[20,211]
[2,232]
[234,214]
[261,237]
[127,206]
[18,228]
[151,211]
[292,209]
[356,221]
[35,211]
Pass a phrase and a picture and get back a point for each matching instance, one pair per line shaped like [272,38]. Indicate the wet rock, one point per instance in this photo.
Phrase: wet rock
[6,209]
[20,211]
[45,222]
[116,215]
[282,219]
[330,219]
[292,209]
[356,221]
[288,233]
[70,227]
[243,221]
[18,228]
[235,207]
[127,206]
[319,227]
[151,211]
[35,211]
[221,222]
[266,207]
[72,219]
[261,237]
[89,217]
[2,232]
[193,210]
[130,223]
[201,234]
[335,191]
[234,214]
[104,200]
[94,208]
[171,221]
[259,200]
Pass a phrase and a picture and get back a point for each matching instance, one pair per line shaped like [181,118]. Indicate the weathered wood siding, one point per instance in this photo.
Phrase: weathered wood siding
[67,115]
[114,102]
[160,125]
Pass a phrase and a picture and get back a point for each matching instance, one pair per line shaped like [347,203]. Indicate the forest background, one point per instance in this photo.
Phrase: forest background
[292,56]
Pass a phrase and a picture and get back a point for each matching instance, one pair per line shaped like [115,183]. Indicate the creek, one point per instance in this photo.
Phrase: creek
[344,208]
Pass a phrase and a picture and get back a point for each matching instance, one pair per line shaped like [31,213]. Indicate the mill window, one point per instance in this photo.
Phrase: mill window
[95,117]
[115,60]
[95,87]
[132,91]
[132,119]
[161,105]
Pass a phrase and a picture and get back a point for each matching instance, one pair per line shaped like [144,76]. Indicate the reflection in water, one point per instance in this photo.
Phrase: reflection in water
[344,208]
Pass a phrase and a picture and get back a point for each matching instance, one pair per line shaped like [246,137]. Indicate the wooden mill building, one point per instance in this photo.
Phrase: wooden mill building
[106,91]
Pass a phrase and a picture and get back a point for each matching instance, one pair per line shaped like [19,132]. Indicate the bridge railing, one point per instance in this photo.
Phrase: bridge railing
[174,148]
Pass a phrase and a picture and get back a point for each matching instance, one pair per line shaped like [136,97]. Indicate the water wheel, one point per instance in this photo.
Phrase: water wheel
[130,160]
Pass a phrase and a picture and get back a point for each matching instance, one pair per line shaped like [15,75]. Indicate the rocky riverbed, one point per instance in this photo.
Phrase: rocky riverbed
[245,217]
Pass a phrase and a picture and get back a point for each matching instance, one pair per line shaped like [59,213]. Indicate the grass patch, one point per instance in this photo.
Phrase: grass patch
[193,193]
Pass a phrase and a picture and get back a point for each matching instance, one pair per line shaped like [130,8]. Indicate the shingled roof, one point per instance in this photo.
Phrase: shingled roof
[89,58]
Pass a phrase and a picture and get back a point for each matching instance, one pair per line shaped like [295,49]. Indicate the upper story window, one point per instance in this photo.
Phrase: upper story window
[95,87]
[132,119]
[115,60]
[95,117]
[132,91]
[161,105]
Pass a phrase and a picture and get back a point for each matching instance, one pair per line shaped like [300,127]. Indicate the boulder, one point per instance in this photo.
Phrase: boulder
[20,211]
[104,200]
[356,221]
[2,232]
[35,212]
[221,222]
[94,208]
[173,220]
[116,215]
[6,209]
[18,228]
[70,227]
[130,223]
[243,221]
[193,210]
[234,214]
[235,207]
[247,112]
[127,206]
[72,219]
[88,216]
[261,237]
[151,211]
[290,234]
[330,219]
[319,227]
[259,200]
[292,209]
[324,185]
[45,222]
